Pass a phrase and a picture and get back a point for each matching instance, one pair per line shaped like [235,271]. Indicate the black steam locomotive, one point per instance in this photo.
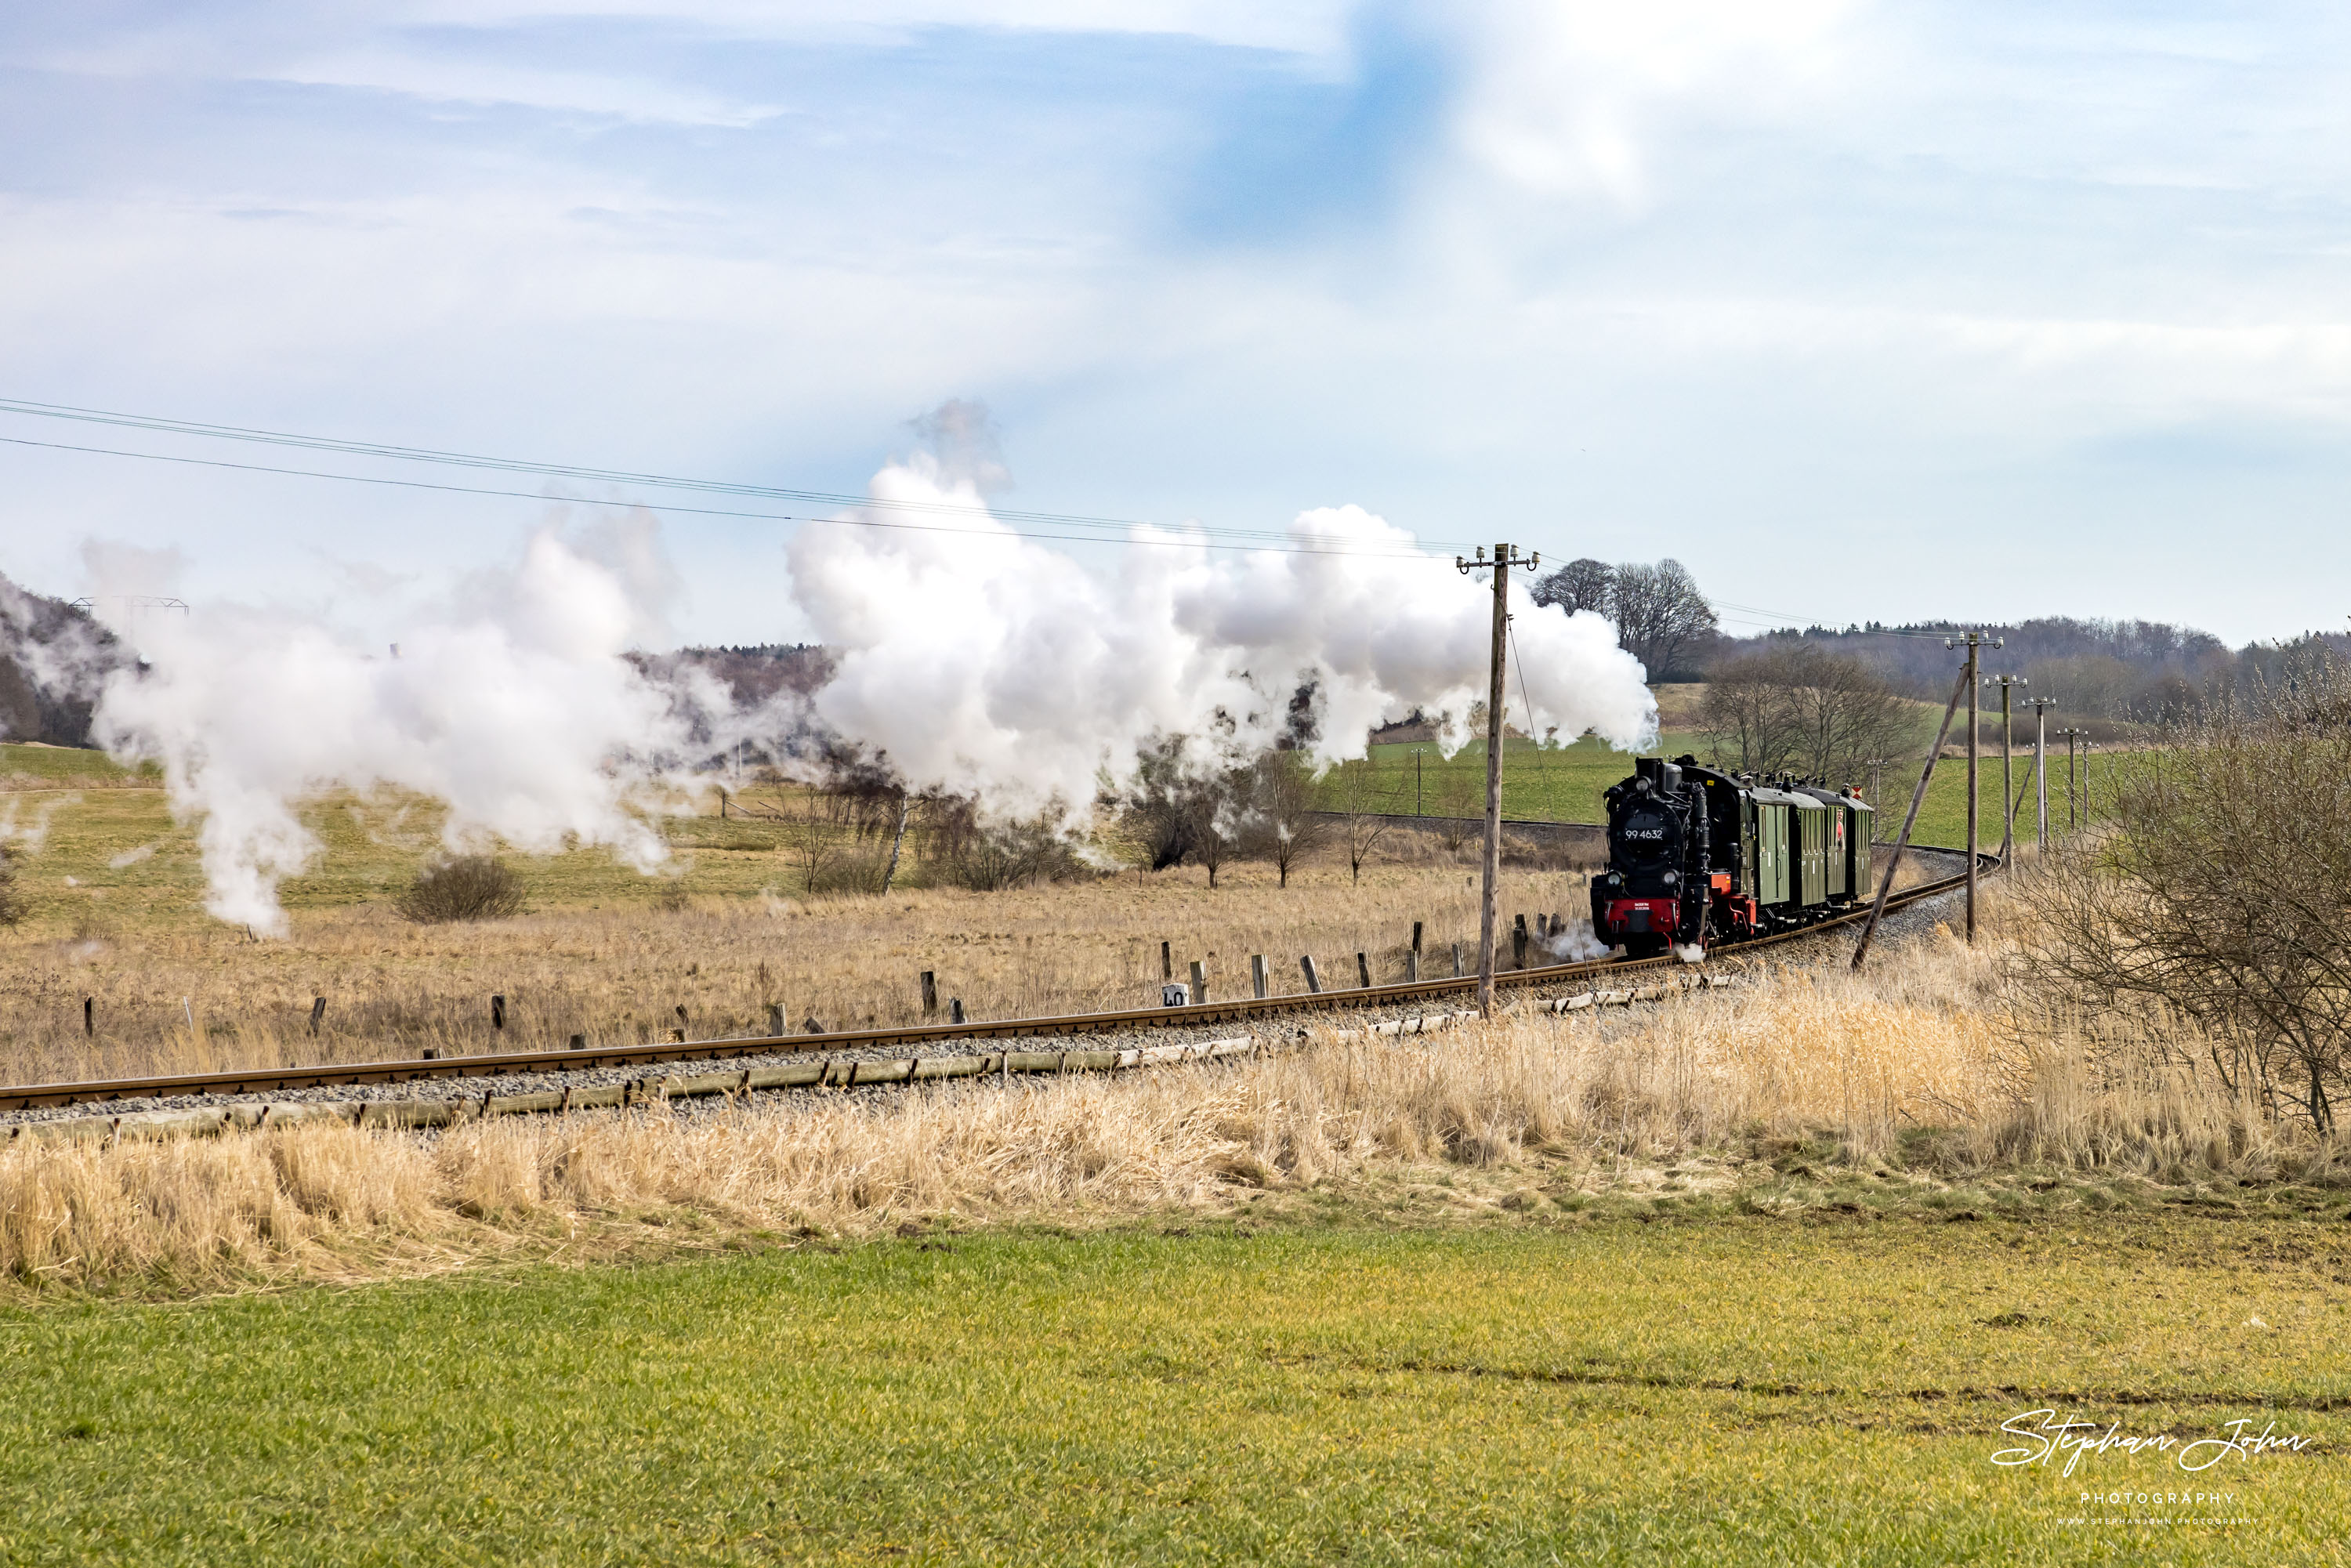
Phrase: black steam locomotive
[1698,857]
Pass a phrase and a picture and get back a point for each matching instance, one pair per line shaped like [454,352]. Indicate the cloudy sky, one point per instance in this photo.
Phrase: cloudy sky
[1864,311]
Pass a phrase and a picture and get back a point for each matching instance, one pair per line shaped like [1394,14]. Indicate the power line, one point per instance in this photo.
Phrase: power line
[1176,536]
[390,452]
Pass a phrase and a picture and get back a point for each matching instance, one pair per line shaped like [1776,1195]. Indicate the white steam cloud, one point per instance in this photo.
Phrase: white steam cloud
[517,709]
[983,662]
[971,661]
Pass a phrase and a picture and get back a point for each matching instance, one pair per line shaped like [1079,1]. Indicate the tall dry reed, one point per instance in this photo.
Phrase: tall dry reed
[1920,1047]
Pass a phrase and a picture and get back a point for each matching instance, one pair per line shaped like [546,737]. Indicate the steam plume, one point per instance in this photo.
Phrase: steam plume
[982,662]
[971,661]
[517,710]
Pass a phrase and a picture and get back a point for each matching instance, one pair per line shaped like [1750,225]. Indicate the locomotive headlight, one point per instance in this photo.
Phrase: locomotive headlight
[1672,877]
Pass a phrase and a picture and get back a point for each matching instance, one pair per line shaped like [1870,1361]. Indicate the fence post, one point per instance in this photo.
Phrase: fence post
[930,994]
[1257,975]
[955,1009]
[1457,960]
[776,1018]
[1199,983]
[318,1011]
[89,1016]
[499,1012]
[1363,971]
[1166,964]
[1518,944]
[1313,981]
[579,1041]
[1412,956]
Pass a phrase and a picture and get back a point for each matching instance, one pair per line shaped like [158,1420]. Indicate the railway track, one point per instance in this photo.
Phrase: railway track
[858,1044]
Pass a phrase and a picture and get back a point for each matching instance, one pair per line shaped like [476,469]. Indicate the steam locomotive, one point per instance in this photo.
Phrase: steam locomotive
[1698,857]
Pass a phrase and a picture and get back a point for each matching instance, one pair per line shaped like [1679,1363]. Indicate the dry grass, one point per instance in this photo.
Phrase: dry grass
[195,999]
[1915,1062]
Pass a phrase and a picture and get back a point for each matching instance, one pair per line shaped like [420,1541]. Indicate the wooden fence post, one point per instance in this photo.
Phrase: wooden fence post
[955,1009]
[499,1012]
[930,994]
[1199,983]
[318,1012]
[1313,981]
[1166,965]
[776,1025]
[1518,944]
[1257,975]
[1412,956]
[1363,971]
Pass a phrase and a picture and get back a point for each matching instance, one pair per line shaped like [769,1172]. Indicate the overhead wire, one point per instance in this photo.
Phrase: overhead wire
[1023,521]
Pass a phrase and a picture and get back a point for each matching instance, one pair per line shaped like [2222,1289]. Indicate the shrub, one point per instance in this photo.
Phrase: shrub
[1014,854]
[470,887]
[12,901]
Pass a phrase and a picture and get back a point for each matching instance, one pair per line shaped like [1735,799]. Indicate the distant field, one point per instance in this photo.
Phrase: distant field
[1565,784]
[1537,1389]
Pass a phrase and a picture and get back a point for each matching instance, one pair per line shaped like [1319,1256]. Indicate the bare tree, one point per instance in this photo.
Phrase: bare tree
[1215,804]
[1661,617]
[1459,799]
[1580,584]
[1285,824]
[1364,820]
[811,838]
[1803,709]
[1158,808]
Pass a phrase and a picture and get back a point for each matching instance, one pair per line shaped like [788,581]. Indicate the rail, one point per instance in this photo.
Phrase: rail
[274,1079]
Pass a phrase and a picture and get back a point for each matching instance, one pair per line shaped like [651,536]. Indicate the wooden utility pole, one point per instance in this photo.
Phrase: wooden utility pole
[1917,799]
[1501,563]
[1971,642]
[2071,785]
[2007,772]
[2041,707]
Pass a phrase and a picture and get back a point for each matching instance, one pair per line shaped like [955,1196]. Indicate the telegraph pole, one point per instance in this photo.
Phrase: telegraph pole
[1971,642]
[2041,707]
[2071,786]
[1501,563]
[2007,772]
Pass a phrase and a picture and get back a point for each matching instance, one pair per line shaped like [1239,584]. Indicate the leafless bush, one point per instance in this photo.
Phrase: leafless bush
[2219,889]
[470,887]
[1015,855]
[12,899]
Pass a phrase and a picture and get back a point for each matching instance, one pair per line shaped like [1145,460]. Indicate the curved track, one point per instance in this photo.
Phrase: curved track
[279,1080]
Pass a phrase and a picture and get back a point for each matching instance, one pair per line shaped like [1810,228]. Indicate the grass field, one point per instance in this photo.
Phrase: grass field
[1755,1276]
[1543,1387]
[1565,784]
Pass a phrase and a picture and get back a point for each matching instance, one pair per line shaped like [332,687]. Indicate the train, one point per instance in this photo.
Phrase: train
[1698,857]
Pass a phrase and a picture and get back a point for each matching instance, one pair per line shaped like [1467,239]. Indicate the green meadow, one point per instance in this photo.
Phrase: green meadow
[1552,1387]
[1565,784]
